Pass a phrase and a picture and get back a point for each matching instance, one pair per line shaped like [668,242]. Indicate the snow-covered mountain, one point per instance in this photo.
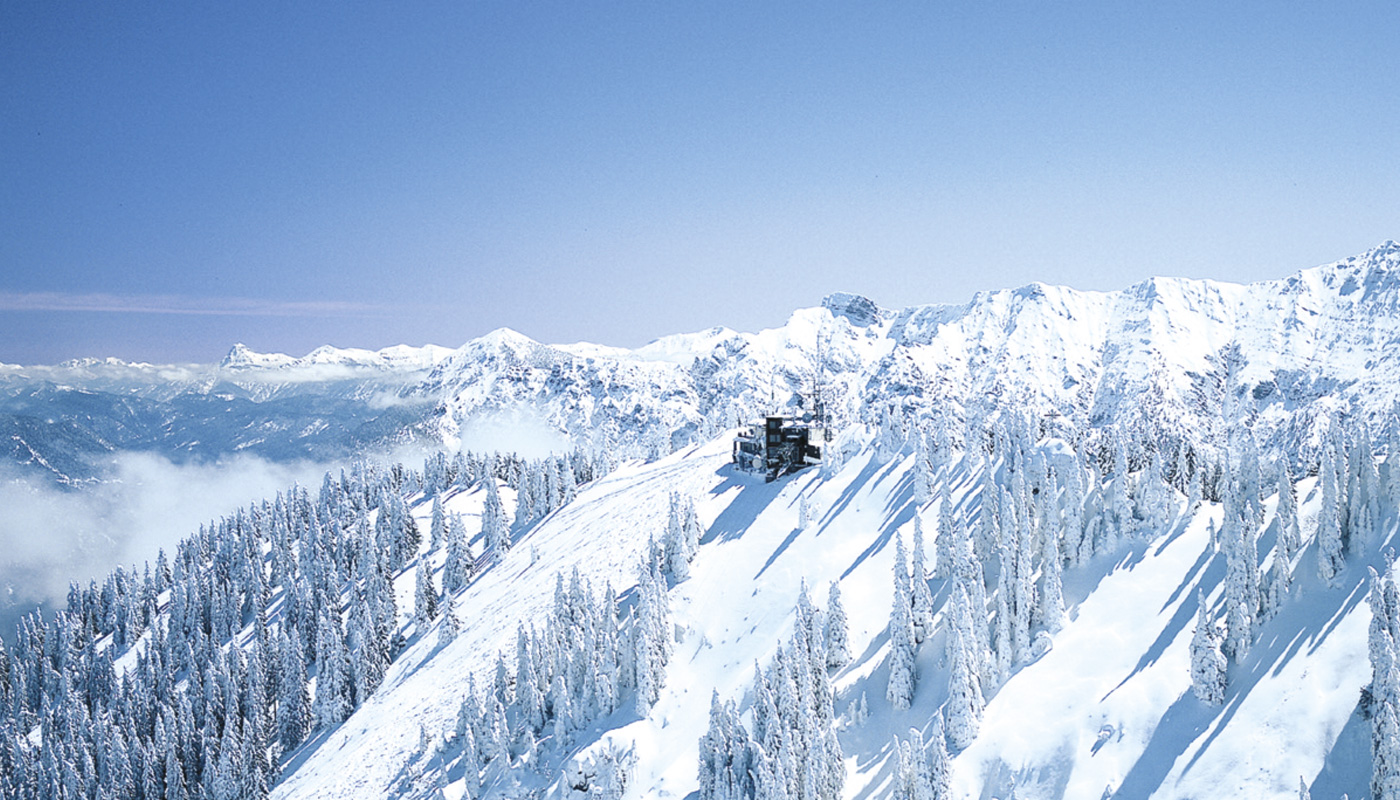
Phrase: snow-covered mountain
[63,423]
[1165,357]
[1101,487]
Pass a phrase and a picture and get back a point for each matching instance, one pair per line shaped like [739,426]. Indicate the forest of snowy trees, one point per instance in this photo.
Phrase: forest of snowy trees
[264,627]
[1043,511]
[789,749]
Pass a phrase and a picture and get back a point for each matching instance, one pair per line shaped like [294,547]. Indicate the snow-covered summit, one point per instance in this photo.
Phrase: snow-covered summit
[402,357]
[1301,348]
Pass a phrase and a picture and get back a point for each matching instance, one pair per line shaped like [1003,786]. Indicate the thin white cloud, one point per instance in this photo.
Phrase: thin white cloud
[179,304]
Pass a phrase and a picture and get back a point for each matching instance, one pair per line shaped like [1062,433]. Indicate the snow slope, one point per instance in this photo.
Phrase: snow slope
[1107,712]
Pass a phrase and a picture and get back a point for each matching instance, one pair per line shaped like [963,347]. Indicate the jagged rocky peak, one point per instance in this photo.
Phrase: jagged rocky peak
[241,356]
[861,311]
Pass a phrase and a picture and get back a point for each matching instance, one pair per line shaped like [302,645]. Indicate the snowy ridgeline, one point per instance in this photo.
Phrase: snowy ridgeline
[1167,362]
[1091,619]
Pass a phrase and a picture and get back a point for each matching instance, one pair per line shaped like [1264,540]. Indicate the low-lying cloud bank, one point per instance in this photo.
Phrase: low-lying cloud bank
[50,537]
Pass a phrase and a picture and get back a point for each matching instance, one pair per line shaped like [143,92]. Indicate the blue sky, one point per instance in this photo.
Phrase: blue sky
[180,177]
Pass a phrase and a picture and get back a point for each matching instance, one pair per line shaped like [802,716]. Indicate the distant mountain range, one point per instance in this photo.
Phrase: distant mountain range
[1170,353]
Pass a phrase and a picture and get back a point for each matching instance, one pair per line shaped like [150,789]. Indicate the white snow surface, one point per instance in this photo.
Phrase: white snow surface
[1108,712]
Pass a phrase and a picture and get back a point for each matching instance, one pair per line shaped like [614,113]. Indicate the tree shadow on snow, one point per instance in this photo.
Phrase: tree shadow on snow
[1307,619]
[1347,768]
[868,472]
[1185,612]
[899,509]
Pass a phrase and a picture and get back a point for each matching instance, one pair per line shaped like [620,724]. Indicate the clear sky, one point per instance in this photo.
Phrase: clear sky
[175,177]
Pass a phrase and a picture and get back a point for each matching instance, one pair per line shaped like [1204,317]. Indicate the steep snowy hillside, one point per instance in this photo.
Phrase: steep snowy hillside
[1107,711]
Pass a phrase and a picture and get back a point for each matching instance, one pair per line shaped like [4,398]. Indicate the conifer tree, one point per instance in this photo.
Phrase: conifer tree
[949,537]
[457,568]
[332,704]
[921,599]
[989,527]
[651,635]
[900,691]
[965,701]
[1052,597]
[1207,663]
[437,529]
[1290,539]
[675,543]
[1384,690]
[1240,603]
[838,651]
[451,623]
[939,765]
[923,471]
[1003,645]
[1330,558]
[424,597]
[495,530]
[294,701]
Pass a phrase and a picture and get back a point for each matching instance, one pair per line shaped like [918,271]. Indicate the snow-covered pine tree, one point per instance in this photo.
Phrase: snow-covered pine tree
[457,568]
[923,470]
[1002,644]
[424,597]
[1240,603]
[451,623]
[293,699]
[921,599]
[676,543]
[527,497]
[1358,473]
[651,632]
[965,703]
[690,525]
[331,704]
[1208,674]
[900,691]
[989,527]
[948,538]
[1051,610]
[1120,505]
[838,649]
[890,436]
[1384,690]
[1194,492]
[1290,538]
[911,773]
[1330,557]
[495,529]
[1071,507]
[437,529]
